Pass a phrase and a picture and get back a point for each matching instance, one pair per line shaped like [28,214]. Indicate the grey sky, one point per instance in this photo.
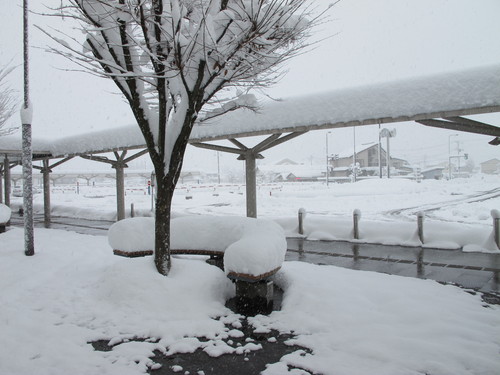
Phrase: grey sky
[370,41]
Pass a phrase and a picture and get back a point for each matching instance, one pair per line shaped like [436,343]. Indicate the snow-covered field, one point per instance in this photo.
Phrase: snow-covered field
[74,290]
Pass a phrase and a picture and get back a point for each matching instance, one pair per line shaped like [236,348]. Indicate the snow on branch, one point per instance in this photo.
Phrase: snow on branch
[7,102]
[248,101]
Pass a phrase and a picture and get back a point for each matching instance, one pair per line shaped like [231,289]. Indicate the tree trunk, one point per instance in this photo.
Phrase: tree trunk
[164,195]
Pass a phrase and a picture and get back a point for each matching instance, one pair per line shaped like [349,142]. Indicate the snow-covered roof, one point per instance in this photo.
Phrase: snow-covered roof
[430,169]
[348,152]
[495,160]
[438,96]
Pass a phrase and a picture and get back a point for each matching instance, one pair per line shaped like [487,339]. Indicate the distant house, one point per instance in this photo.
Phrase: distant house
[368,160]
[288,170]
[433,173]
[491,166]
[303,176]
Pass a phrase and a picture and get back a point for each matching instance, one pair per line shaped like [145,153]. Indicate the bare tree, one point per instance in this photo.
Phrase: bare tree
[178,62]
[8,103]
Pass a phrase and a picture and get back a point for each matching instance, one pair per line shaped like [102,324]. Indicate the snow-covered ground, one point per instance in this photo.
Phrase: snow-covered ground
[457,212]
[74,291]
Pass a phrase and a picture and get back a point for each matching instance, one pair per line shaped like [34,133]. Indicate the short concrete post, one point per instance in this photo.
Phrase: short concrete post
[356,215]
[420,262]
[495,214]
[302,215]
[420,223]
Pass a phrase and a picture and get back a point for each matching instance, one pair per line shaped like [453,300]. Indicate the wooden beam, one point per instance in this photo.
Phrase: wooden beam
[469,126]
[135,156]
[218,148]
[282,140]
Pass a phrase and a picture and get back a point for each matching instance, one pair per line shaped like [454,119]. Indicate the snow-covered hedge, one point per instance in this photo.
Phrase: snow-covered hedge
[251,246]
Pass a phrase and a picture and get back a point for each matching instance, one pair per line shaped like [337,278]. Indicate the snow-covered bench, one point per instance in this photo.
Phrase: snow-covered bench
[5,213]
[252,250]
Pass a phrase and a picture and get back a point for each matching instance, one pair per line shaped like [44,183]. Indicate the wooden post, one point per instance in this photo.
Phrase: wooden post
[120,191]
[46,193]
[251,184]
[1,184]
[302,215]
[420,223]
[495,214]
[356,215]
[6,178]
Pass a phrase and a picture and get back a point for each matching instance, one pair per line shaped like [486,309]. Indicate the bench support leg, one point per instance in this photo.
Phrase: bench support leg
[217,261]
[254,297]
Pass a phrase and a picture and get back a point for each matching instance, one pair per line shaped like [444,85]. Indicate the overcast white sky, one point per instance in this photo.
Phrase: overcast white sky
[371,41]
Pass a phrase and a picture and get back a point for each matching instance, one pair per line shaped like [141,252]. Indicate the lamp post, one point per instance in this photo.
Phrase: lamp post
[27,157]
[449,154]
[379,153]
[354,170]
[218,168]
[327,167]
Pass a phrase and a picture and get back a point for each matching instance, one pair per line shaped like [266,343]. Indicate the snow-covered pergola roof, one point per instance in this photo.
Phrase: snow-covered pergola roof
[443,96]
[448,95]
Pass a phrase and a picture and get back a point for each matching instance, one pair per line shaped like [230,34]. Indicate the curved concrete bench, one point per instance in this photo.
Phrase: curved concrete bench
[252,249]
[5,213]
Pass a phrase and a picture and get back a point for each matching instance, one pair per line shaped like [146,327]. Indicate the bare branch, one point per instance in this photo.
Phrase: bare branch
[8,104]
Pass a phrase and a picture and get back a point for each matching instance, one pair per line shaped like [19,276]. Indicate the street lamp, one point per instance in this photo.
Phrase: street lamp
[327,168]
[27,157]
[449,154]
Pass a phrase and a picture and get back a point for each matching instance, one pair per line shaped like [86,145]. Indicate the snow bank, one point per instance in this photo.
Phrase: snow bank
[367,323]
[437,234]
[5,213]
[251,246]
[355,322]
[133,234]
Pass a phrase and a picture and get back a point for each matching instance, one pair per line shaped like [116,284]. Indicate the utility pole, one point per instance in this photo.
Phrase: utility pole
[218,167]
[354,170]
[327,166]
[458,157]
[449,154]
[27,156]
[379,153]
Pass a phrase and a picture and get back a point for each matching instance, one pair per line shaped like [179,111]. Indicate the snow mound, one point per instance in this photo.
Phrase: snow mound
[250,246]
[134,234]
[4,213]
